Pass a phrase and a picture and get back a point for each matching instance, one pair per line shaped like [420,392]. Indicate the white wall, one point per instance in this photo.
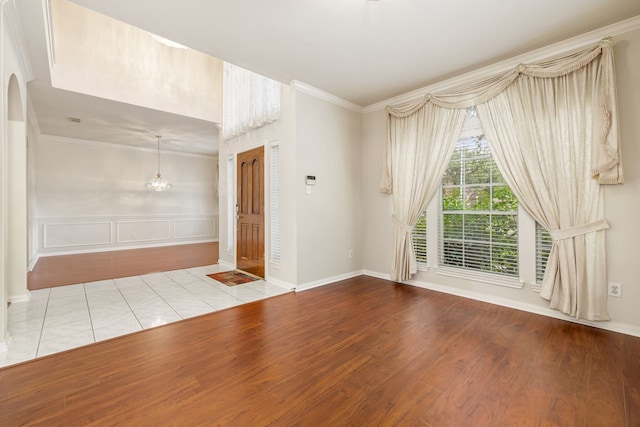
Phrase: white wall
[17,264]
[32,206]
[622,210]
[329,147]
[92,196]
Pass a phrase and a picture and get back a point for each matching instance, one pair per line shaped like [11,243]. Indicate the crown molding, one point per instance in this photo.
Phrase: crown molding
[48,31]
[565,46]
[12,19]
[325,96]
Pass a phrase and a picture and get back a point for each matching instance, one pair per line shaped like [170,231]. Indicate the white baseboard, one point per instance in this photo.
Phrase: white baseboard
[226,264]
[33,262]
[377,274]
[328,280]
[623,328]
[20,298]
[281,283]
[4,344]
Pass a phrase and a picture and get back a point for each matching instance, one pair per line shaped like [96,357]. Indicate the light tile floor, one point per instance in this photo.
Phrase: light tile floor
[65,317]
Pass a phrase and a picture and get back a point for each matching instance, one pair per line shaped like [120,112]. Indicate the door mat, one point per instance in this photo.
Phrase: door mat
[232,278]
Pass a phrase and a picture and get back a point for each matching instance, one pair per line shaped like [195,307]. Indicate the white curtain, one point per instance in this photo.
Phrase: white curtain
[421,140]
[249,101]
[552,128]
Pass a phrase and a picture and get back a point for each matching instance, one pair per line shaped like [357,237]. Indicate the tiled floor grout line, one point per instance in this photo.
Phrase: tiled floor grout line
[160,296]
[126,301]
[86,300]
[44,317]
[129,305]
[182,286]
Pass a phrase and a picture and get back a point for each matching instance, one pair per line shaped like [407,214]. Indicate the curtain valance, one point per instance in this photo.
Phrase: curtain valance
[606,164]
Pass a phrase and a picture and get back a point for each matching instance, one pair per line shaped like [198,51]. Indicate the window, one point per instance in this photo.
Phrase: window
[543,247]
[472,230]
[479,212]
[275,203]
[419,238]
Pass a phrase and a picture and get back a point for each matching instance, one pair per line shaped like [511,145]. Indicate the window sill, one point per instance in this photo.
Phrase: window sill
[492,279]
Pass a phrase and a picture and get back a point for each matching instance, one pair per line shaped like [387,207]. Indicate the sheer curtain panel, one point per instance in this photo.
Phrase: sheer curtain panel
[420,145]
[249,101]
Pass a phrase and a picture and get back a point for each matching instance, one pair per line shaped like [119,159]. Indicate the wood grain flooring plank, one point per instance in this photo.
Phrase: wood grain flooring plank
[631,380]
[362,351]
[60,270]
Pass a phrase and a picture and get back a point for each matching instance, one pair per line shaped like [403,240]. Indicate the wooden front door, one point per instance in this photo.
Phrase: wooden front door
[250,223]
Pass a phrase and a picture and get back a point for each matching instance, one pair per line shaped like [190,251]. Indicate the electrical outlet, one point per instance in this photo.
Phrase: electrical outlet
[615,289]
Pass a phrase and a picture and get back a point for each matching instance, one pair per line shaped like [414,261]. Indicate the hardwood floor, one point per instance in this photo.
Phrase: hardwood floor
[70,269]
[360,352]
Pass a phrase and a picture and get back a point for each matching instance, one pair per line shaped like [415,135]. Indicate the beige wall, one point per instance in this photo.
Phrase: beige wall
[329,146]
[622,202]
[622,209]
[316,137]
[100,56]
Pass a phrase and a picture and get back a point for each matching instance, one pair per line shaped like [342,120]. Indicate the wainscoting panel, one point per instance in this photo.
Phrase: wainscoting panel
[143,231]
[189,228]
[58,236]
[65,235]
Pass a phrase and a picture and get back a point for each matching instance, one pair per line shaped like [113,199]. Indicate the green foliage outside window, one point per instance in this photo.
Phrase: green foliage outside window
[479,212]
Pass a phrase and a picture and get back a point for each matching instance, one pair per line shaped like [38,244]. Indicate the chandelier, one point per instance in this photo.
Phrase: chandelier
[157,183]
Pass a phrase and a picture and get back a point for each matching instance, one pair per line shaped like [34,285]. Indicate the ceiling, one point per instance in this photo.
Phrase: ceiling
[364,51]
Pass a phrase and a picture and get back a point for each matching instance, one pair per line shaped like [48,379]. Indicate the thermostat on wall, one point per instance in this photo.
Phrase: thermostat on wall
[310,180]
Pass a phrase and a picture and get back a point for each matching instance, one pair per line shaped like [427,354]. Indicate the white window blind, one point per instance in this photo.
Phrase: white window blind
[231,207]
[543,247]
[419,237]
[275,203]
[479,213]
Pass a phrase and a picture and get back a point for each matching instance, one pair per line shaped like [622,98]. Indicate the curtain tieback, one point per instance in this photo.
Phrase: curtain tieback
[406,227]
[568,233]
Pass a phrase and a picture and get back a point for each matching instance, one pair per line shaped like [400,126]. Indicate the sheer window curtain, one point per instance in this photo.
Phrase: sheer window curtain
[421,140]
[553,130]
[543,129]
[249,100]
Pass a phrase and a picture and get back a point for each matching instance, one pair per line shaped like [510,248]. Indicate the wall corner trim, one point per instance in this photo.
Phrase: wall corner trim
[328,280]
[280,283]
